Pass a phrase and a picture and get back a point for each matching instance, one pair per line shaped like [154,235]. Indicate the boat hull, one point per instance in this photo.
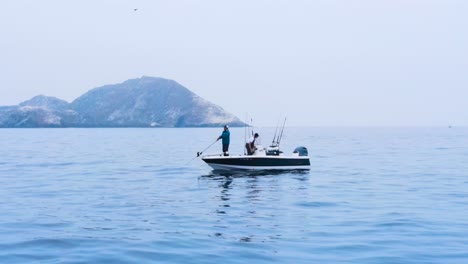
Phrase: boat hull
[257,162]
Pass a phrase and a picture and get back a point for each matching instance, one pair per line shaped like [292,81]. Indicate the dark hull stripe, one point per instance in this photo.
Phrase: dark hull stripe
[260,162]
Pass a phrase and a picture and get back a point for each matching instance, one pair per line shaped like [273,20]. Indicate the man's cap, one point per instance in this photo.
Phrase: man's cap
[226,126]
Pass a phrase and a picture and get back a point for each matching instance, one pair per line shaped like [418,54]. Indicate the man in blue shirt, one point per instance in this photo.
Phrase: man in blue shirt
[225,136]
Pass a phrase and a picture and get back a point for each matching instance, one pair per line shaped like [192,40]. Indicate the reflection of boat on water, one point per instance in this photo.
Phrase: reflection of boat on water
[270,158]
[233,173]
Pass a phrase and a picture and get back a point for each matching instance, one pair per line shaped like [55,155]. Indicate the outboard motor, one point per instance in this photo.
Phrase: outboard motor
[302,151]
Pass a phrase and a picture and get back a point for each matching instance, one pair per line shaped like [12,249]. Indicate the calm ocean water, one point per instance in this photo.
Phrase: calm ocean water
[373,195]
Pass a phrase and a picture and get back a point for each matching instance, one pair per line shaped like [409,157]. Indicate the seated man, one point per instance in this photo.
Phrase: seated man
[250,145]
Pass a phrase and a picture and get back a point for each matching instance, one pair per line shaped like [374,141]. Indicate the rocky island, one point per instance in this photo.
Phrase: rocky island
[142,102]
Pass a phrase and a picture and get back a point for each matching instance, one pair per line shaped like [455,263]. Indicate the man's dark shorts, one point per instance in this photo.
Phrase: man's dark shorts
[225,147]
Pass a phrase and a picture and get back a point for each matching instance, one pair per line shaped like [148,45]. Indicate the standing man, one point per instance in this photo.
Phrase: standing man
[225,136]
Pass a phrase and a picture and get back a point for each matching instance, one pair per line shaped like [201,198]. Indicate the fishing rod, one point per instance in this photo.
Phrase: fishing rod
[201,152]
[281,134]
[246,129]
[274,137]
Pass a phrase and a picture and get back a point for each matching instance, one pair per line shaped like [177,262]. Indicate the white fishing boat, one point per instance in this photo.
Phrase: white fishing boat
[270,158]
[262,159]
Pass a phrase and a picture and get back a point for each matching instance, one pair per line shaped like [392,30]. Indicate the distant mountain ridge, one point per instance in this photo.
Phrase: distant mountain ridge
[141,102]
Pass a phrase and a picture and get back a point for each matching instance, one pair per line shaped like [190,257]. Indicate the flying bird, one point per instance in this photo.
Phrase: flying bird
[135,9]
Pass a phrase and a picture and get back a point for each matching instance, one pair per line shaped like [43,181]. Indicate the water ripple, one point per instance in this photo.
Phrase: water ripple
[102,196]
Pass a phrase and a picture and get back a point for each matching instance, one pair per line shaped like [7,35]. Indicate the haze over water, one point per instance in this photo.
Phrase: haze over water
[372,195]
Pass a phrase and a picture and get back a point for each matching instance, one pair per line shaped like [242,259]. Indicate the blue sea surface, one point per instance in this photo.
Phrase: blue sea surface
[372,195]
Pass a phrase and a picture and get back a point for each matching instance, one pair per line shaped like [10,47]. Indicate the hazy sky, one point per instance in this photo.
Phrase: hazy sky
[320,63]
